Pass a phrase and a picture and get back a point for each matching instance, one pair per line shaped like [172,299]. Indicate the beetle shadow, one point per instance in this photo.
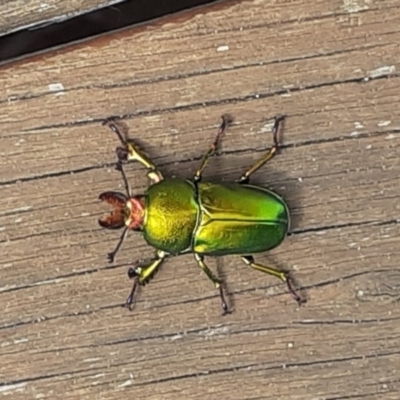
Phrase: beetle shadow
[291,190]
[270,261]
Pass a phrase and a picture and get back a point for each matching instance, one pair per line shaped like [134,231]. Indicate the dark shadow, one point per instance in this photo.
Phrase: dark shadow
[53,34]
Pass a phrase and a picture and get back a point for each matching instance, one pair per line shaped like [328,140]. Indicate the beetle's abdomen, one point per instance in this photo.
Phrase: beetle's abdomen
[170,215]
[239,219]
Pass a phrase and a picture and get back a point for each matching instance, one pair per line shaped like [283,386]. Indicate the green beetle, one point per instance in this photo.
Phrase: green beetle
[179,216]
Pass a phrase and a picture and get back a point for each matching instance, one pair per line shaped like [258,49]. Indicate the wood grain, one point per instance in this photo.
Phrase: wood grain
[16,15]
[332,68]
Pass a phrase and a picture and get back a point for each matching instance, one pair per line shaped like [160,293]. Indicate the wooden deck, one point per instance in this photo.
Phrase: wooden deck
[333,68]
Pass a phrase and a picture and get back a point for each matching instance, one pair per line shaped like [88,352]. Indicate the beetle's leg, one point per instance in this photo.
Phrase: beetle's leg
[214,279]
[283,276]
[245,178]
[130,152]
[142,274]
[226,119]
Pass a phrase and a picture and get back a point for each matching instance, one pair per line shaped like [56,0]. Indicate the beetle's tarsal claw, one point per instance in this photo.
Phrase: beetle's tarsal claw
[226,312]
[227,119]
[295,296]
[279,118]
[110,257]
[302,301]
[119,128]
[225,308]
[298,299]
[108,120]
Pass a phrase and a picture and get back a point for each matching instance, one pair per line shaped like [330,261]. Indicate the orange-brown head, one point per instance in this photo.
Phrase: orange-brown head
[127,211]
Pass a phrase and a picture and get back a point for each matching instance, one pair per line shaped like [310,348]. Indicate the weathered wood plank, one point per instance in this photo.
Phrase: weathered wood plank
[52,88]
[331,67]
[16,15]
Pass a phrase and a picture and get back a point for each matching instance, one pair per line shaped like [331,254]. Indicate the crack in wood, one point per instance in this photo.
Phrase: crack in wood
[209,103]
[310,142]
[259,366]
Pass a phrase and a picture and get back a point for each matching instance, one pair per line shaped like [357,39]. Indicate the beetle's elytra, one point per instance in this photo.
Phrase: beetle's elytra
[178,216]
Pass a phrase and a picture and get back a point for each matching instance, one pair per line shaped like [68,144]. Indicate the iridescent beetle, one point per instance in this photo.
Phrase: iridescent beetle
[178,216]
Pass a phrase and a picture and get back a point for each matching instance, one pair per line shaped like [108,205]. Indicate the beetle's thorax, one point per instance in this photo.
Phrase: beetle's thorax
[134,212]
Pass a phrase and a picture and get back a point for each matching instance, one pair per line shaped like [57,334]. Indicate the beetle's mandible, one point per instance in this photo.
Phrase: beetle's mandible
[177,216]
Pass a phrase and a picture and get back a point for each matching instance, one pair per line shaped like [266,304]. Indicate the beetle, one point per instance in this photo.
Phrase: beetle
[177,216]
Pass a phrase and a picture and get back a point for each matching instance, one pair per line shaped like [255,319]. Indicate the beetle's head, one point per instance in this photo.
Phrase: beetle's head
[127,211]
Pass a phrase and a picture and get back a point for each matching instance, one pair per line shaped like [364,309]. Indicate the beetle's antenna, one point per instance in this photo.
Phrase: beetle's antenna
[112,255]
[119,168]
